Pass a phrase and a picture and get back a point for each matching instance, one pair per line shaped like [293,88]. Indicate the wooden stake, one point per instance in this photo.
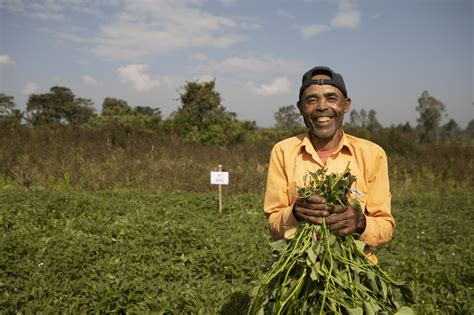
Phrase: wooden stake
[220,191]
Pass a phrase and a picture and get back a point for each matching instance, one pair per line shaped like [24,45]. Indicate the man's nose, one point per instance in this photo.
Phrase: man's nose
[322,105]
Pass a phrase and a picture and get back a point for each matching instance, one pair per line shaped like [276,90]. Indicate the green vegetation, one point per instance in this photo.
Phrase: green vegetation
[318,272]
[113,212]
[119,251]
[202,118]
[124,250]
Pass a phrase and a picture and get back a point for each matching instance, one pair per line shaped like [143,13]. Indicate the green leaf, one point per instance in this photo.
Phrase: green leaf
[311,255]
[368,309]
[355,311]
[279,245]
[332,239]
[405,310]
[383,284]
[360,245]
[373,284]
[313,274]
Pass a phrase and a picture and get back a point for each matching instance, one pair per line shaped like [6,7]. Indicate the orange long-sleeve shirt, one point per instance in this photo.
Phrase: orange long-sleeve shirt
[292,158]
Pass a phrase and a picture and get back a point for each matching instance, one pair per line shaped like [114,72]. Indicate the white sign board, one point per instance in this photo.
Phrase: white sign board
[220,178]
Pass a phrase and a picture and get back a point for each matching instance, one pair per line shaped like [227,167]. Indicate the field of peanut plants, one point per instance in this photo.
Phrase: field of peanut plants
[136,229]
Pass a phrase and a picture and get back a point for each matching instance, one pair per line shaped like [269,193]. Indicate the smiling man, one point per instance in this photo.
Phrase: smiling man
[323,101]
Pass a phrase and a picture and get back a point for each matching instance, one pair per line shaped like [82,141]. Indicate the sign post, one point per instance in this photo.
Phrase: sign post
[220,191]
[220,178]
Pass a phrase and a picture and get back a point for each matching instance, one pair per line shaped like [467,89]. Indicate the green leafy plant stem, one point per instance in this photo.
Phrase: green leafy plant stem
[319,272]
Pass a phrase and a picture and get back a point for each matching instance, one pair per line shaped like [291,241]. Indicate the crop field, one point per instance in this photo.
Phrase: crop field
[95,221]
[128,251]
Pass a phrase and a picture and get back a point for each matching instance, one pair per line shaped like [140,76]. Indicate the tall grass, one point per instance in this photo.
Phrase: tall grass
[96,159]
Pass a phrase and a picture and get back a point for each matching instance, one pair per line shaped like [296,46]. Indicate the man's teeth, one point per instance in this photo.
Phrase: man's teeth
[323,119]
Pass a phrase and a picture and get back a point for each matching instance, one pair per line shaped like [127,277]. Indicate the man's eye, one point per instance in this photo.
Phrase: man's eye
[311,101]
[332,99]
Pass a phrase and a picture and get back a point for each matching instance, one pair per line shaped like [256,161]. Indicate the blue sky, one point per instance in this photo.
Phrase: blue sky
[144,51]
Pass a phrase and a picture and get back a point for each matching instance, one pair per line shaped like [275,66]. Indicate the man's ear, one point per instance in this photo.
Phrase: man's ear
[298,104]
[347,104]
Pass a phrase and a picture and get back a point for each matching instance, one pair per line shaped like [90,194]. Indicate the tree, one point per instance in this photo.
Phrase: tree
[451,131]
[7,104]
[9,116]
[431,111]
[117,114]
[372,122]
[201,105]
[363,118]
[470,129]
[58,106]
[114,106]
[354,117]
[202,118]
[287,117]
[147,111]
[407,128]
[359,119]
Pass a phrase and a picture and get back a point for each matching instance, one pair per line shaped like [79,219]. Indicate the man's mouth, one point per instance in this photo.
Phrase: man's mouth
[323,119]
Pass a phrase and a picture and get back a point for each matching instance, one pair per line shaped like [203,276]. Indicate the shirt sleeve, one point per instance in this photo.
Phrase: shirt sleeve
[379,220]
[278,204]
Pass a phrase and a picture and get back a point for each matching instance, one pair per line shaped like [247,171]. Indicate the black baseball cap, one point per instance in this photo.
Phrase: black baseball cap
[336,79]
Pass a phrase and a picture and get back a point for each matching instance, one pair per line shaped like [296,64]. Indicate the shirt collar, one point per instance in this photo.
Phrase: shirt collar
[307,145]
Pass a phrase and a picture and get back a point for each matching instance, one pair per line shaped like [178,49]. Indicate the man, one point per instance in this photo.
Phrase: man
[323,101]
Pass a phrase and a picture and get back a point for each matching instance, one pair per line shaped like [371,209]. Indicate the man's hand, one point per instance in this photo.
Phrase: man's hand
[345,219]
[311,209]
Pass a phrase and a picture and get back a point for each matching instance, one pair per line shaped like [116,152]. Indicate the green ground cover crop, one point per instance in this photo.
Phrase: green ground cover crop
[128,251]
[125,251]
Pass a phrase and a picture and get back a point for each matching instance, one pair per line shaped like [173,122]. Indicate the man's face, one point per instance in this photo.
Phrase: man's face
[323,108]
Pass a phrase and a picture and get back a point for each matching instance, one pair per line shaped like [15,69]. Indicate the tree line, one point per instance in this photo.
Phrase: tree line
[203,119]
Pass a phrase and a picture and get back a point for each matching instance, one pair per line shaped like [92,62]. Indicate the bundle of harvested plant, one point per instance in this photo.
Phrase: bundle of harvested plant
[319,272]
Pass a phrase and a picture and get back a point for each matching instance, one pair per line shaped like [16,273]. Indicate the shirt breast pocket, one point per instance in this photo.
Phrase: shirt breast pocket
[359,196]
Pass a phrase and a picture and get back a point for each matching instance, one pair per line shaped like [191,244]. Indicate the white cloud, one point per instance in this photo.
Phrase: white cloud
[30,88]
[138,28]
[50,10]
[278,86]
[245,66]
[348,16]
[54,10]
[89,80]
[198,57]
[144,28]
[312,30]
[137,76]
[6,60]
[285,14]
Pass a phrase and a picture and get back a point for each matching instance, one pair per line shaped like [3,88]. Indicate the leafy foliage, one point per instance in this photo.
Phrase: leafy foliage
[431,111]
[365,120]
[73,251]
[287,117]
[470,129]
[117,114]
[58,106]
[128,252]
[9,116]
[318,272]
[203,119]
